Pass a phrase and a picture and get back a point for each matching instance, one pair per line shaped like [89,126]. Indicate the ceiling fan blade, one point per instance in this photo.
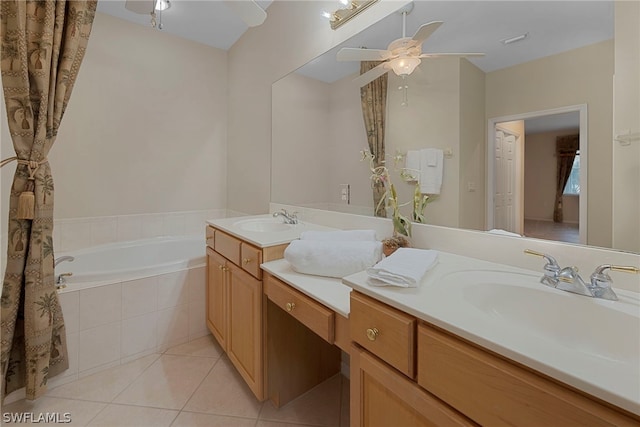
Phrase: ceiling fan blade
[372,74]
[356,54]
[441,55]
[143,7]
[425,31]
[248,10]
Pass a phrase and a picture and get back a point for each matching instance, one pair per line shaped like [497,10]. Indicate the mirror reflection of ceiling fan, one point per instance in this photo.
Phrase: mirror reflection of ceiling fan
[402,55]
[248,10]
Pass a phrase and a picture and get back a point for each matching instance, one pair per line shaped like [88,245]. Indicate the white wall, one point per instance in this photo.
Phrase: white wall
[145,130]
[580,76]
[626,159]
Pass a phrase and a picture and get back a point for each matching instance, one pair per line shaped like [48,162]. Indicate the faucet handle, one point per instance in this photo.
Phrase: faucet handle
[601,281]
[551,268]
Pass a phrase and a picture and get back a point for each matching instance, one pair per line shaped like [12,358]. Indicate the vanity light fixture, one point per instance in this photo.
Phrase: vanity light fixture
[514,39]
[351,8]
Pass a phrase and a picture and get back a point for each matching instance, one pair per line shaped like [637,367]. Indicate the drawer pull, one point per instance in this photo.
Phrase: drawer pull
[246,260]
[290,306]
[372,334]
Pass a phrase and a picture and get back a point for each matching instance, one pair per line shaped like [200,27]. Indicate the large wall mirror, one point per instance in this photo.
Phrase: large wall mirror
[547,74]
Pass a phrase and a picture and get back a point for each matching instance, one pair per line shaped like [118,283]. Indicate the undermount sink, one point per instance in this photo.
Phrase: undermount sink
[264,225]
[596,327]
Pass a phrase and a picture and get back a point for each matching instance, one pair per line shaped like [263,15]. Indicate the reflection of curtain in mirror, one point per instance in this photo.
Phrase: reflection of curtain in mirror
[374,105]
[566,149]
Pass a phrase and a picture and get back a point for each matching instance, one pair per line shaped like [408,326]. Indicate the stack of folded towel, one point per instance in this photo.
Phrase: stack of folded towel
[405,268]
[334,253]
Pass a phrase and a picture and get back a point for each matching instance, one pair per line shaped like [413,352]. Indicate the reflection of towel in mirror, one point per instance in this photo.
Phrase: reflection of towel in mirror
[340,235]
[503,232]
[332,258]
[431,170]
[412,165]
[405,268]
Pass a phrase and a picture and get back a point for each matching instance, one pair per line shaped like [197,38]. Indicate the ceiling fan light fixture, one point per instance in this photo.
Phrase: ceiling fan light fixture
[404,65]
[162,5]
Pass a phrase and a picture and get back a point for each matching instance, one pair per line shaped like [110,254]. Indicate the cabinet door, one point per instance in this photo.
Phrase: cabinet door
[244,346]
[380,396]
[217,296]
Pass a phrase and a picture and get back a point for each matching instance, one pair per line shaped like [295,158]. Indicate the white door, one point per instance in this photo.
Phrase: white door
[505,185]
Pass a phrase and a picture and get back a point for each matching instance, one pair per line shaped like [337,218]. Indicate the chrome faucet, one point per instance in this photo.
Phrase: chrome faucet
[289,218]
[568,279]
[61,281]
[62,259]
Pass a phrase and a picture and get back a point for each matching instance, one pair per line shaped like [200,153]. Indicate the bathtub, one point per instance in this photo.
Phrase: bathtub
[131,260]
[131,299]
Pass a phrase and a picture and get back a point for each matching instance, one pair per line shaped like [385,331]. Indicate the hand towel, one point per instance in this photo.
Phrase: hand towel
[412,165]
[331,258]
[405,268]
[339,236]
[431,170]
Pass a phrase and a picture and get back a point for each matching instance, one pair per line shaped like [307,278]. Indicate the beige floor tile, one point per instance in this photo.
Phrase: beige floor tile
[191,419]
[106,385]
[224,392]
[319,406]
[133,416]
[204,347]
[79,412]
[168,382]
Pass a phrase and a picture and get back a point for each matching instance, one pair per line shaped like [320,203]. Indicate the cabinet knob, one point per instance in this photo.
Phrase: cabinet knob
[372,334]
[290,306]
[221,267]
[246,260]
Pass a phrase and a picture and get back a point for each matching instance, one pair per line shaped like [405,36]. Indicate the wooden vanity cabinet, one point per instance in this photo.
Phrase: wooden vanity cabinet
[235,302]
[455,382]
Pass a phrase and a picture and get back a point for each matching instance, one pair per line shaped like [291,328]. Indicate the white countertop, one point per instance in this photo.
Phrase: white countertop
[567,356]
[264,239]
[328,291]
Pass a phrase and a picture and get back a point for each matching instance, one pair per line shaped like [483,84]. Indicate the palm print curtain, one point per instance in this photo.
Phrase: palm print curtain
[373,97]
[566,149]
[43,44]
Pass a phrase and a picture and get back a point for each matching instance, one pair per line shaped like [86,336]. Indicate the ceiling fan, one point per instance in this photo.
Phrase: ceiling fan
[402,55]
[248,10]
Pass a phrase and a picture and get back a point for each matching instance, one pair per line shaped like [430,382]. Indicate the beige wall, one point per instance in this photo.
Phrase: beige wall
[263,55]
[146,128]
[626,159]
[562,80]
[540,179]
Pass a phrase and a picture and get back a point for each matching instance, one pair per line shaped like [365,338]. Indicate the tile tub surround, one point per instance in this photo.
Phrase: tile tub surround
[116,323]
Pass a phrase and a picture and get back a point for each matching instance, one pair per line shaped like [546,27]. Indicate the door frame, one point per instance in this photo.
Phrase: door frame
[518,175]
[584,138]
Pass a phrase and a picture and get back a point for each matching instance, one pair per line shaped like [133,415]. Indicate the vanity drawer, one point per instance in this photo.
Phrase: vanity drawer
[386,332]
[310,313]
[210,233]
[227,246]
[495,392]
[251,258]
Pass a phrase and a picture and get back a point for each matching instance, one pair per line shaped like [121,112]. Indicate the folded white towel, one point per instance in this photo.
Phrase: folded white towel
[412,164]
[431,170]
[339,236]
[503,232]
[405,267]
[331,258]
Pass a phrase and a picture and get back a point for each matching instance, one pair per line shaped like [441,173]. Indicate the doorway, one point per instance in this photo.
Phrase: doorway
[527,209]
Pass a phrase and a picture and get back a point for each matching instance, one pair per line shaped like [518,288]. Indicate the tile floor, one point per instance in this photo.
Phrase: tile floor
[549,230]
[192,384]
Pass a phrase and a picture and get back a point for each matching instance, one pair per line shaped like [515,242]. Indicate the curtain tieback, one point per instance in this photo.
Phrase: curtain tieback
[27,200]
